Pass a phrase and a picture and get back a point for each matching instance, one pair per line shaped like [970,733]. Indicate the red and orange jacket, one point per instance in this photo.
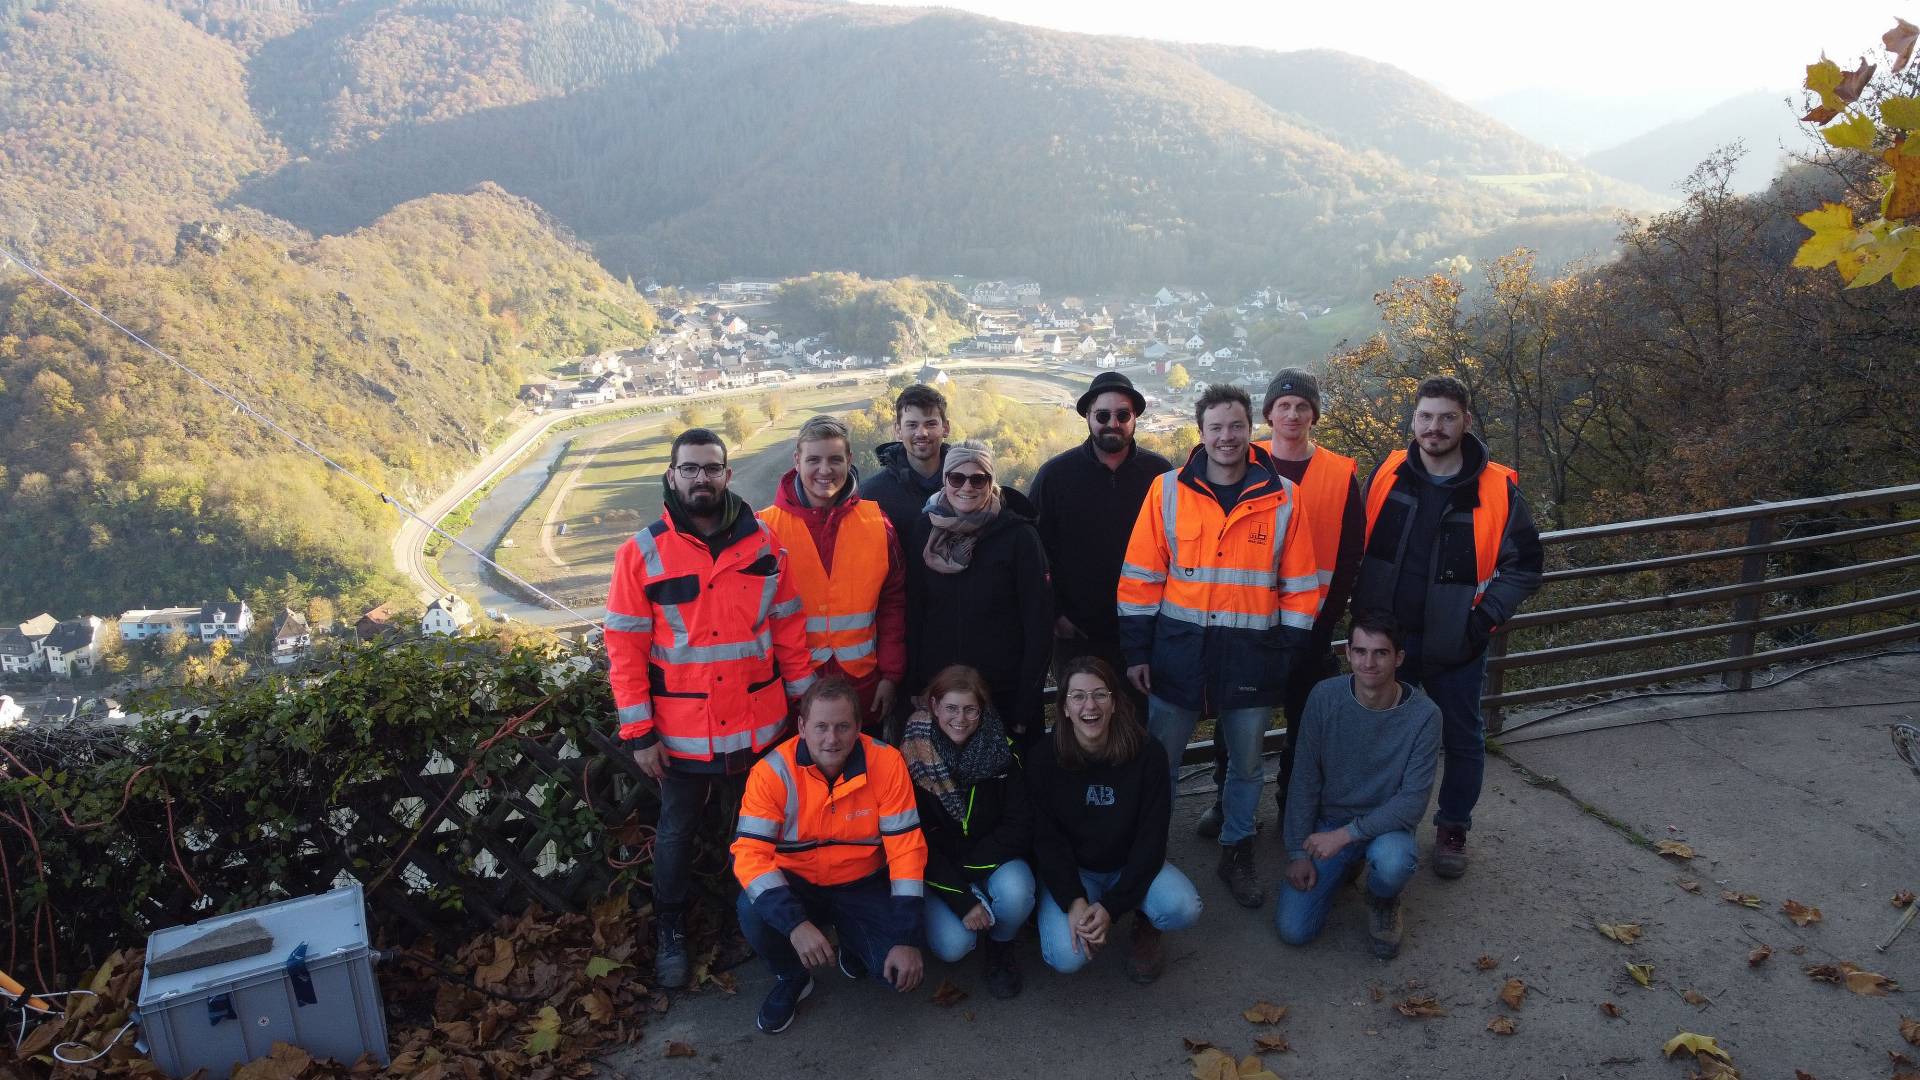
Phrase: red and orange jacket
[845,562]
[706,641]
[794,822]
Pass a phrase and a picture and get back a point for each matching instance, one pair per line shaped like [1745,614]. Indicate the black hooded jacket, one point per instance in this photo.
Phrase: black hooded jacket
[900,491]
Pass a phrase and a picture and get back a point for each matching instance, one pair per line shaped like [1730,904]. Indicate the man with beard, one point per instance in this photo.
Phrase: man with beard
[1088,498]
[910,466]
[845,561]
[1217,598]
[706,642]
[1451,551]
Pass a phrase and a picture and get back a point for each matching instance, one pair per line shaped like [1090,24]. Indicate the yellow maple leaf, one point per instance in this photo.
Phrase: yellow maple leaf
[1265,1012]
[1832,239]
[1214,1064]
[1856,132]
[1694,1044]
[1624,933]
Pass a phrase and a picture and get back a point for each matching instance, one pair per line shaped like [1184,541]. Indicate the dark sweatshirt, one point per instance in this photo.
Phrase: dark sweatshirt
[962,852]
[1101,818]
[1368,770]
[901,492]
[1086,516]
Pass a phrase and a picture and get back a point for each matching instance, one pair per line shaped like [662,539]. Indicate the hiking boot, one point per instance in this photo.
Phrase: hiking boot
[1450,851]
[1209,824]
[1003,970]
[1384,926]
[1236,869]
[1146,959]
[670,953]
[850,965]
[776,1013]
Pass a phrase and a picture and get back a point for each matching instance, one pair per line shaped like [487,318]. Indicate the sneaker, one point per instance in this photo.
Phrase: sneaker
[1209,824]
[1210,821]
[670,963]
[1146,958]
[850,965]
[1236,869]
[1003,970]
[1450,851]
[776,1013]
[1384,926]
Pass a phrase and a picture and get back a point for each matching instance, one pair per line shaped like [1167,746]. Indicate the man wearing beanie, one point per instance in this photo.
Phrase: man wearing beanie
[1088,498]
[1329,487]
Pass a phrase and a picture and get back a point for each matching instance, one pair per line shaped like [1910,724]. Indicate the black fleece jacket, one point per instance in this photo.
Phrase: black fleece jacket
[965,851]
[1086,516]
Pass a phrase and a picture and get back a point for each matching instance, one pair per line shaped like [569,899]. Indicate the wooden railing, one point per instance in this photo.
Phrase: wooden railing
[1786,575]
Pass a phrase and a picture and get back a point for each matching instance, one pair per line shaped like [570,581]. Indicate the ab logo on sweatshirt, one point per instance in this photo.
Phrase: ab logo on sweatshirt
[1099,795]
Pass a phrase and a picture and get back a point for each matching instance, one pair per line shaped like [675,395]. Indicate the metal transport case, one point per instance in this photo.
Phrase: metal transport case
[313,988]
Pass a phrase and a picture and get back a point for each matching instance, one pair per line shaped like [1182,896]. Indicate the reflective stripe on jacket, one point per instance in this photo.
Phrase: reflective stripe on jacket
[1216,602]
[843,602]
[795,823]
[700,645]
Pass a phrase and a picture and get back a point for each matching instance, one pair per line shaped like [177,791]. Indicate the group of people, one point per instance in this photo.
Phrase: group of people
[906,623]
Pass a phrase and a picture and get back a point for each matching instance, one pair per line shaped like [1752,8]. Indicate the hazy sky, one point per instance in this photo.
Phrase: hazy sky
[1485,47]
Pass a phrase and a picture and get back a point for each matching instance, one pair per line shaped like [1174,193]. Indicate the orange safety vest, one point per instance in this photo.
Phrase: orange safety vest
[1323,496]
[842,602]
[1489,518]
[792,821]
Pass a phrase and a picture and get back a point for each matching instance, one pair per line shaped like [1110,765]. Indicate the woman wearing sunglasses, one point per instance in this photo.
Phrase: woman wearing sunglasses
[977,590]
[978,824]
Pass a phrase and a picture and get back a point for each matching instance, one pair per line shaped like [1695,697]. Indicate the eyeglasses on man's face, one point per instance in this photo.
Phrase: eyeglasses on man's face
[958,480]
[1081,697]
[1118,416]
[691,471]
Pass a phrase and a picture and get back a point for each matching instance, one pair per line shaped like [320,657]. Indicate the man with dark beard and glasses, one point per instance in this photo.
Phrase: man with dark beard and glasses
[706,642]
[1088,498]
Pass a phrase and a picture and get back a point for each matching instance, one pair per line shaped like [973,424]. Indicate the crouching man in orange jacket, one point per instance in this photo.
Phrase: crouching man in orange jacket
[829,834]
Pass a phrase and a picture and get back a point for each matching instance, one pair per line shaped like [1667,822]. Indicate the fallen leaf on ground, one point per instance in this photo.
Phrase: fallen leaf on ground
[1214,1064]
[1742,898]
[1801,914]
[598,1006]
[1870,983]
[544,1035]
[1910,1030]
[1903,898]
[1514,992]
[283,1062]
[1689,885]
[947,995]
[1486,963]
[1695,997]
[1712,1068]
[1194,1046]
[1642,973]
[1377,992]
[1832,973]
[1674,848]
[1608,1008]
[600,965]
[1421,1006]
[1694,1044]
[496,972]
[1759,955]
[1265,1012]
[1625,933]
[680,1049]
[1802,1074]
[1501,1025]
[1897,1059]
[1271,1044]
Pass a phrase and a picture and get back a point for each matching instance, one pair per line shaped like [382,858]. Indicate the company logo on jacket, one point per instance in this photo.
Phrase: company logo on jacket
[1099,795]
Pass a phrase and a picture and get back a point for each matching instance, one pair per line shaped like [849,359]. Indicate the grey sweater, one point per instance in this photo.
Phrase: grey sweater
[1371,771]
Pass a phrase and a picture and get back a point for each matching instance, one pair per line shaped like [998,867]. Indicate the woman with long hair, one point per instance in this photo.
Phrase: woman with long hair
[978,824]
[1102,801]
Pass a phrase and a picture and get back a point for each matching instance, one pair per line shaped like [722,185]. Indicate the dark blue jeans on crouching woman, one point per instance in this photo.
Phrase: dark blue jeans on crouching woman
[1463,740]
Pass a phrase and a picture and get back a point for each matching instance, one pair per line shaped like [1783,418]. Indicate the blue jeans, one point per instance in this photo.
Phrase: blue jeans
[1463,737]
[1011,891]
[1391,861]
[1242,730]
[1171,903]
[862,911]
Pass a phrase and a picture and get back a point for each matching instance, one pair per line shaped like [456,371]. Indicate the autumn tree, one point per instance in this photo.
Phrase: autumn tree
[1178,379]
[774,406]
[734,420]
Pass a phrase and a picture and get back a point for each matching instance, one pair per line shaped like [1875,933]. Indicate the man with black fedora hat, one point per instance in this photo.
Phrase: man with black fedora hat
[1088,498]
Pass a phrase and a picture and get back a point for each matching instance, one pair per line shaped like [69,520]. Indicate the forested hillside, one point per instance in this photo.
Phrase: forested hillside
[876,318]
[393,349]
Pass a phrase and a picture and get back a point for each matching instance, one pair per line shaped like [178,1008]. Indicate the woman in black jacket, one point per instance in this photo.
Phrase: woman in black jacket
[977,821]
[977,590]
[1102,801]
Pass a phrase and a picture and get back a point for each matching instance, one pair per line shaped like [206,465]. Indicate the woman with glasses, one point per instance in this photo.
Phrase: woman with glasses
[977,590]
[977,821]
[1102,799]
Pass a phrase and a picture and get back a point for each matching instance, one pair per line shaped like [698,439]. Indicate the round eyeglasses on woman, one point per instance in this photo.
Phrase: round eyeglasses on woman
[1081,697]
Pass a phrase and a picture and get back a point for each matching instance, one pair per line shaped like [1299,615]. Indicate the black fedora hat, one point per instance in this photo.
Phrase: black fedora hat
[1111,380]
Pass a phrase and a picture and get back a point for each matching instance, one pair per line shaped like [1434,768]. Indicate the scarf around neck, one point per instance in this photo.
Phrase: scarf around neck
[946,771]
[950,545]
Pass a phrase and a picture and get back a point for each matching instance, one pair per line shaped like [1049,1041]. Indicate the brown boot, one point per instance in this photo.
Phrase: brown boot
[1384,926]
[1146,959]
[1450,851]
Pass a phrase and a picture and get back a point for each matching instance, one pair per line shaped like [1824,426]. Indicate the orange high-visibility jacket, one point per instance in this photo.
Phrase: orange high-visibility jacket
[1218,603]
[1323,491]
[842,604]
[795,823]
[705,649]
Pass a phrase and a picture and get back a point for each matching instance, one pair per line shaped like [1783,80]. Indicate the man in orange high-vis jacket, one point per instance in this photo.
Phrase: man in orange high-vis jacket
[1328,485]
[845,562]
[829,835]
[706,641]
[1217,599]
[1451,552]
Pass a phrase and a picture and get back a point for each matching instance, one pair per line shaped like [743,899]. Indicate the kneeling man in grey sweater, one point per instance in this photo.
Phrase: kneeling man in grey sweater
[1363,768]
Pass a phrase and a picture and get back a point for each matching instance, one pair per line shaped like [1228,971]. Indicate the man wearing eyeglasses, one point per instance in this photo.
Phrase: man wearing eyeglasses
[706,643]
[1088,498]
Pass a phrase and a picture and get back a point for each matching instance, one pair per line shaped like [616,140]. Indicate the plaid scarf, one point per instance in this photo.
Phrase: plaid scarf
[944,770]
